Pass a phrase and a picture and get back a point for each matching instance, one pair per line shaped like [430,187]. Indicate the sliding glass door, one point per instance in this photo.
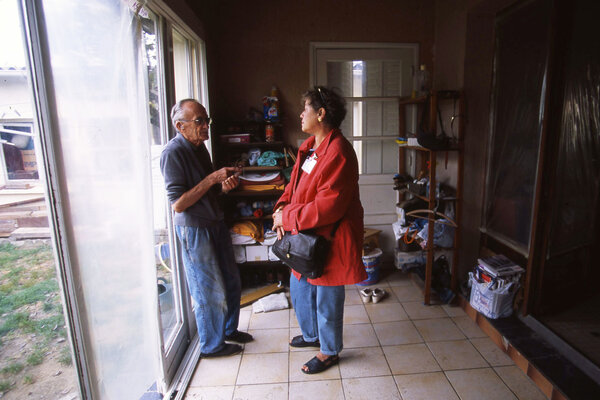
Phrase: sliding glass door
[103,92]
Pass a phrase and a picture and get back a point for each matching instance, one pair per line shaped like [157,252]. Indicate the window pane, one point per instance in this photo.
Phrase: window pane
[520,63]
[170,314]
[34,341]
[339,75]
[390,157]
[181,66]
[372,157]
[101,142]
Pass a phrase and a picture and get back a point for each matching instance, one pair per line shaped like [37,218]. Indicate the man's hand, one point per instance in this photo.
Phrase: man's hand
[230,183]
[219,176]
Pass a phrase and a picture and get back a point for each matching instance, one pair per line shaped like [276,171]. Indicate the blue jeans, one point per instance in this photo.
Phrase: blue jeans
[214,282]
[320,313]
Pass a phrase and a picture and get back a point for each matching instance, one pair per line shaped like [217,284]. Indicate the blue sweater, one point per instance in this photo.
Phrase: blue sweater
[183,165]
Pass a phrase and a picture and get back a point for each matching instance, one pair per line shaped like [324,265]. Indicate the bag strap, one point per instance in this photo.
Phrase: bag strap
[335,226]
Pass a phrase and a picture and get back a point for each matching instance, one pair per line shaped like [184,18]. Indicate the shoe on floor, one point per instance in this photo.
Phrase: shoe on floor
[378,295]
[239,337]
[298,341]
[228,350]
[365,295]
[315,365]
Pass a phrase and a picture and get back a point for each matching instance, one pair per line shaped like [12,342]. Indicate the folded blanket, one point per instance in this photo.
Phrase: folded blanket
[272,302]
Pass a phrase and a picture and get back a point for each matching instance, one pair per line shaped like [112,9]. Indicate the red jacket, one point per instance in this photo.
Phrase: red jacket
[329,193]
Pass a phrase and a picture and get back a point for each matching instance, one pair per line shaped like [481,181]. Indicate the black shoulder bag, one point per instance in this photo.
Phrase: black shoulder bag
[305,252]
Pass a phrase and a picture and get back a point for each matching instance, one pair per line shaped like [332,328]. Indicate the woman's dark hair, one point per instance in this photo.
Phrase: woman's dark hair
[328,98]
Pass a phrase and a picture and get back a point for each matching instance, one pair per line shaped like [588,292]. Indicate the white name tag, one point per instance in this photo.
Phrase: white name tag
[309,164]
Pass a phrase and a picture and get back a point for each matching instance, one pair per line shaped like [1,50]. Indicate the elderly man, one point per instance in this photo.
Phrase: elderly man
[193,188]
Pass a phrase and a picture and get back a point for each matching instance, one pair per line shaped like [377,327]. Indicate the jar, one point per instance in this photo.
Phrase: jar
[269,133]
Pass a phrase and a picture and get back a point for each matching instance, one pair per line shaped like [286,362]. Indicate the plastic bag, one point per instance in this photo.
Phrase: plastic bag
[443,234]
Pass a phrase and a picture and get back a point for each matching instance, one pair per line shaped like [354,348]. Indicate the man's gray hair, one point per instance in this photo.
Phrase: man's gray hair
[177,110]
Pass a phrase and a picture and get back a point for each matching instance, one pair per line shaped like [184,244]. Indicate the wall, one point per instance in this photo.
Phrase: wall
[254,45]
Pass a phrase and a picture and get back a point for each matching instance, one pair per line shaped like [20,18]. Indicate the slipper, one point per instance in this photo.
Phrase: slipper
[378,295]
[315,365]
[298,341]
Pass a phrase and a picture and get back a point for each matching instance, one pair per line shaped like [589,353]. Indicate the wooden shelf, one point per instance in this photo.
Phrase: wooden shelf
[253,144]
[427,159]
[255,193]
[252,218]
[412,100]
[261,169]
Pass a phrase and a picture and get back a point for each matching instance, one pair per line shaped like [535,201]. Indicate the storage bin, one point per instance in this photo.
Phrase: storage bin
[493,304]
[402,259]
[371,262]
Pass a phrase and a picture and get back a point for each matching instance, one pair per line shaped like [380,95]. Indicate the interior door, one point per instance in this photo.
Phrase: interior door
[371,77]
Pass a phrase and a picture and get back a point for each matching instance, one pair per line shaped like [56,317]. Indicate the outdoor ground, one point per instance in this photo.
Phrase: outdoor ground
[35,356]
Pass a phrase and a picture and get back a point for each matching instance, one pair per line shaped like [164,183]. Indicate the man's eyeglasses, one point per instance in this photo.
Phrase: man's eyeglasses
[198,121]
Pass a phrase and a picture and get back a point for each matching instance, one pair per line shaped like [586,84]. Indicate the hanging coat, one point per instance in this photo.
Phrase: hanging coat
[317,200]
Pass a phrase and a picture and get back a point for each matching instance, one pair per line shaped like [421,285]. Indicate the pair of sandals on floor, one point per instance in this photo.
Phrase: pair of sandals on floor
[375,295]
[314,366]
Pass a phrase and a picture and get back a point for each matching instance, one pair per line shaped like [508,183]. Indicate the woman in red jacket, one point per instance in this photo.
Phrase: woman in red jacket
[323,191]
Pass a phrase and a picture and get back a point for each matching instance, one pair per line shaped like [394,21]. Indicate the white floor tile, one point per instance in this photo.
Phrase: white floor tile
[410,359]
[380,388]
[363,362]
[429,386]
[330,390]
[456,354]
[438,329]
[394,333]
[473,383]
[276,391]
[263,368]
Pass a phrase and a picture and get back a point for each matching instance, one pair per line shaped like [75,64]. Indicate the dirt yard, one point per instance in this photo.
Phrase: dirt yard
[35,356]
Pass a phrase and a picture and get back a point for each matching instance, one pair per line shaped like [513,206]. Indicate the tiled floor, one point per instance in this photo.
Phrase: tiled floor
[395,349]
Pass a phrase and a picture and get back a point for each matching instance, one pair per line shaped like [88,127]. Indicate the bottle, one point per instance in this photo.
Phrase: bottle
[422,81]
[269,133]
[273,111]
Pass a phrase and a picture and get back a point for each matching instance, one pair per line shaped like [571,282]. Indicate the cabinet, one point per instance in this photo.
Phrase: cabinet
[228,151]
[427,160]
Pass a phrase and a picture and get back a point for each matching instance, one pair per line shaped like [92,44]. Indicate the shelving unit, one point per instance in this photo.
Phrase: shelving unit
[427,159]
[227,154]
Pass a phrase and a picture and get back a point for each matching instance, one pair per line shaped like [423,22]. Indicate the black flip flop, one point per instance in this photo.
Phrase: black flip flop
[315,365]
[298,341]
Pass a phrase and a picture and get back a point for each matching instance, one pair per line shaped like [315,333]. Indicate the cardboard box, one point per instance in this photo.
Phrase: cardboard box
[237,138]
[257,253]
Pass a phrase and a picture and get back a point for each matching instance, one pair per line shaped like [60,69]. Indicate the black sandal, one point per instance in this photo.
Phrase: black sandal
[298,341]
[315,365]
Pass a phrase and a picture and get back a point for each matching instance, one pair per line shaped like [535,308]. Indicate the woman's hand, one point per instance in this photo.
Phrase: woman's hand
[278,223]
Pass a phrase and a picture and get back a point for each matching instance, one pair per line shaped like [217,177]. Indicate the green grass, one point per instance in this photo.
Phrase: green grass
[37,357]
[4,386]
[13,368]
[29,304]
[65,356]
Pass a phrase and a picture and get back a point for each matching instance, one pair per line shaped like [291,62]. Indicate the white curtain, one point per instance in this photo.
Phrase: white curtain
[101,153]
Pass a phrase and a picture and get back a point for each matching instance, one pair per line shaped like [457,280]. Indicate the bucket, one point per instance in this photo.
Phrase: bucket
[371,263]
